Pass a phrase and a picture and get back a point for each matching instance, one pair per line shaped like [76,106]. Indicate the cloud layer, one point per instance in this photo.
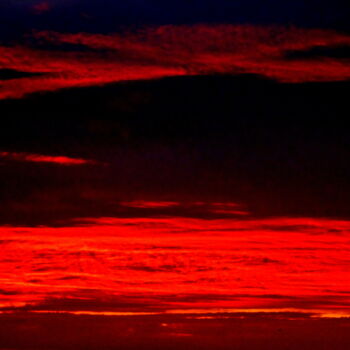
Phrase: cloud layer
[66,60]
[39,158]
[177,263]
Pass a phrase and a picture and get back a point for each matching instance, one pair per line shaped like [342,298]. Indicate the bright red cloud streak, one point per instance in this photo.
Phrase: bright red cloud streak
[144,265]
[172,51]
[149,204]
[38,158]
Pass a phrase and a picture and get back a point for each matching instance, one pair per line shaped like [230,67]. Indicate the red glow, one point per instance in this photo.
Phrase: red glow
[138,264]
[173,51]
[149,204]
[38,158]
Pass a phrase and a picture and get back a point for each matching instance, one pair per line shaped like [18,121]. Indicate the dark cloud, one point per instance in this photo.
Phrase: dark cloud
[41,7]
[8,74]
[4,292]
[338,52]
[186,140]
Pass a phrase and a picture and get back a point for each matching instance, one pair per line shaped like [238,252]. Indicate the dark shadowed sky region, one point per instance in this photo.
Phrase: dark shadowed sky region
[111,15]
[174,175]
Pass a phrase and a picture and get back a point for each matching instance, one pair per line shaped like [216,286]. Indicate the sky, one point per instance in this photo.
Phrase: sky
[109,15]
[174,174]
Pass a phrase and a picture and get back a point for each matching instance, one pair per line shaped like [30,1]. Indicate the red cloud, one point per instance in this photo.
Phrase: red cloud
[178,263]
[38,158]
[172,51]
[41,7]
[149,204]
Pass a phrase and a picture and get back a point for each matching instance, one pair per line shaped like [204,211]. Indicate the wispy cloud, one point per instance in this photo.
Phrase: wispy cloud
[227,208]
[170,51]
[39,158]
[149,204]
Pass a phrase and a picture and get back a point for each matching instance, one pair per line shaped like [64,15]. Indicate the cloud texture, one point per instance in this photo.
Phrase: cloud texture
[66,60]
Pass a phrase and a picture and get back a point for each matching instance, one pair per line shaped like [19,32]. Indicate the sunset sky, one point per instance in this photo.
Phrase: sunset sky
[174,174]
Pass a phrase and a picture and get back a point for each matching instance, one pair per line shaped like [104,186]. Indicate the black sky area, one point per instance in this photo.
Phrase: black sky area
[96,16]
[278,149]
